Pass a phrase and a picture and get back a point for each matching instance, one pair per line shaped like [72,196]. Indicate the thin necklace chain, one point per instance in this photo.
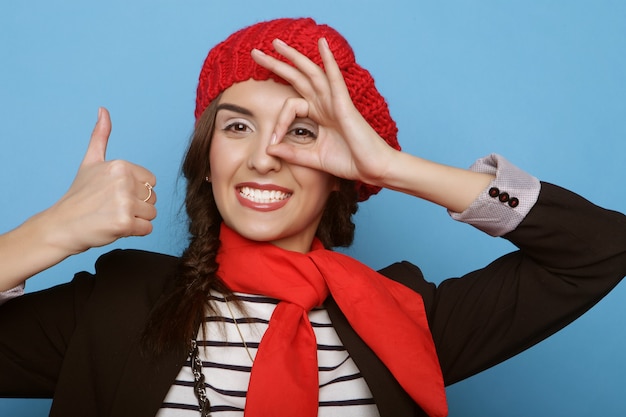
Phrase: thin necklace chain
[245,345]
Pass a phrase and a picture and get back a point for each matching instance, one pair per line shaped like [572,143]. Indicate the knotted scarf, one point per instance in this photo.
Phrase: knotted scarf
[388,316]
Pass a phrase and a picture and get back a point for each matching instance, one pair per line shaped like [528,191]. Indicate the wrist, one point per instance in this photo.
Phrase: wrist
[50,235]
[26,251]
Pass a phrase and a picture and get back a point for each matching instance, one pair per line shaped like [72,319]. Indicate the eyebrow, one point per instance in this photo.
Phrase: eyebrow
[235,108]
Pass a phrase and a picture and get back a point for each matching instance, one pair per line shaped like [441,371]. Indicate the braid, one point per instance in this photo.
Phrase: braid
[175,319]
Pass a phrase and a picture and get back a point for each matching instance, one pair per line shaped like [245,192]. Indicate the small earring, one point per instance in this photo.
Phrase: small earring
[208,178]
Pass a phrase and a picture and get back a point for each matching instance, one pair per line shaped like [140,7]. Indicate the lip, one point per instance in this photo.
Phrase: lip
[262,206]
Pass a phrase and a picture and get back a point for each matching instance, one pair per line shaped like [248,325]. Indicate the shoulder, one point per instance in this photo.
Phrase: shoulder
[135,260]
[123,263]
[411,276]
[404,272]
[133,274]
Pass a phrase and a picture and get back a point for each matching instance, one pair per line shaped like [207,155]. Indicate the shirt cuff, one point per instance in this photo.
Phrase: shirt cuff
[12,293]
[502,206]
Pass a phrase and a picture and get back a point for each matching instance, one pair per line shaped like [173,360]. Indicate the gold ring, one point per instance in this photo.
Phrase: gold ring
[149,187]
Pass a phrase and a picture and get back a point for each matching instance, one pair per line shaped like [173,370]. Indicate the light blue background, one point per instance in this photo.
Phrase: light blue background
[542,82]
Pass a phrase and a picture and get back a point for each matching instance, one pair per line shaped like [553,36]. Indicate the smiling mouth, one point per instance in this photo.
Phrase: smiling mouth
[263,196]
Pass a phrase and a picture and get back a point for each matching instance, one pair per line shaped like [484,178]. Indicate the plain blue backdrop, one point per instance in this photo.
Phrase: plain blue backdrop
[541,82]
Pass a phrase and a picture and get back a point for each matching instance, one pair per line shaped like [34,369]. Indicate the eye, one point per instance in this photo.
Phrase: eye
[237,127]
[301,134]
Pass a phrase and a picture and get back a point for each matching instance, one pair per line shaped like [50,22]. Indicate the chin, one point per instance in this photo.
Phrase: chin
[264,233]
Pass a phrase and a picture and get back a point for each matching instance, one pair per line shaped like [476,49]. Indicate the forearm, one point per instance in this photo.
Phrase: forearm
[450,187]
[28,250]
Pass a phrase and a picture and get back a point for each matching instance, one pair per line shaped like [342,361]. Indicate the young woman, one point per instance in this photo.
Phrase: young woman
[258,316]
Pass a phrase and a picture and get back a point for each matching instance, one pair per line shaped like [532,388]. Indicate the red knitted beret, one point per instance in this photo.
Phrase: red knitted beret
[230,62]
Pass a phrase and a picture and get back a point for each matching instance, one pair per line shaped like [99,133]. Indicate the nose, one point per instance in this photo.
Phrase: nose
[259,160]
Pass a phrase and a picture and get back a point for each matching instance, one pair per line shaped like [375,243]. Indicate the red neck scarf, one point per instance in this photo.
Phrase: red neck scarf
[388,316]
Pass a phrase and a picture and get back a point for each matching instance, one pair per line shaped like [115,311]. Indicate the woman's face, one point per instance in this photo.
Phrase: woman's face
[260,196]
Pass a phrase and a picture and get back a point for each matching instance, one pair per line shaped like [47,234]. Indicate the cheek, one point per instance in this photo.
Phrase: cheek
[222,160]
[316,182]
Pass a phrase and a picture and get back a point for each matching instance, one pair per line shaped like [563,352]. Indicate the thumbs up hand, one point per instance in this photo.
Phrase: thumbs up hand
[107,200]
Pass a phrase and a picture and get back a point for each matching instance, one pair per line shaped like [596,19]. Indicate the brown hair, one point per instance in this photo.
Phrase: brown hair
[177,316]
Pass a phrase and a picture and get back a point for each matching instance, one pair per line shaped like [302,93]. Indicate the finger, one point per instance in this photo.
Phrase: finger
[144,214]
[138,174]
[335,77]
[302,62]
[302,81]
[146,193]
[144,175]
[145,211]
[141,227]
[135,220]
[315,74]
[280,68]
[292,109]
[132,175]
[96,151]
[144,228]
[295,155]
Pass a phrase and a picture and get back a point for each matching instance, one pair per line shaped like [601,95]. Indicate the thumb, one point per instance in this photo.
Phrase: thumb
[96,151]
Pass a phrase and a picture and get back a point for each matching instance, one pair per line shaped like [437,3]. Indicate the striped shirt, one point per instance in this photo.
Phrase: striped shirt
[226,364]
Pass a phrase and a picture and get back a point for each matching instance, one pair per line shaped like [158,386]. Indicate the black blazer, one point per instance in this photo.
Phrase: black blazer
[78,342]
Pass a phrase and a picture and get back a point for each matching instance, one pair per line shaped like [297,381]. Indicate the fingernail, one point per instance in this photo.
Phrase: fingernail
[99,114]
[273,139]
[325,43]
[280,42]
[257,52]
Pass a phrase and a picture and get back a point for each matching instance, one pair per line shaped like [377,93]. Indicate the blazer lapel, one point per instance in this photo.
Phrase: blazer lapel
[391,399]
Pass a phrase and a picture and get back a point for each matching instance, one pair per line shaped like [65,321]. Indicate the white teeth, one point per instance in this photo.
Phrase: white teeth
[263,196]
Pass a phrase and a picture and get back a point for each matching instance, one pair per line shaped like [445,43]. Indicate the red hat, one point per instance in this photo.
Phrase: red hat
[230,62]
